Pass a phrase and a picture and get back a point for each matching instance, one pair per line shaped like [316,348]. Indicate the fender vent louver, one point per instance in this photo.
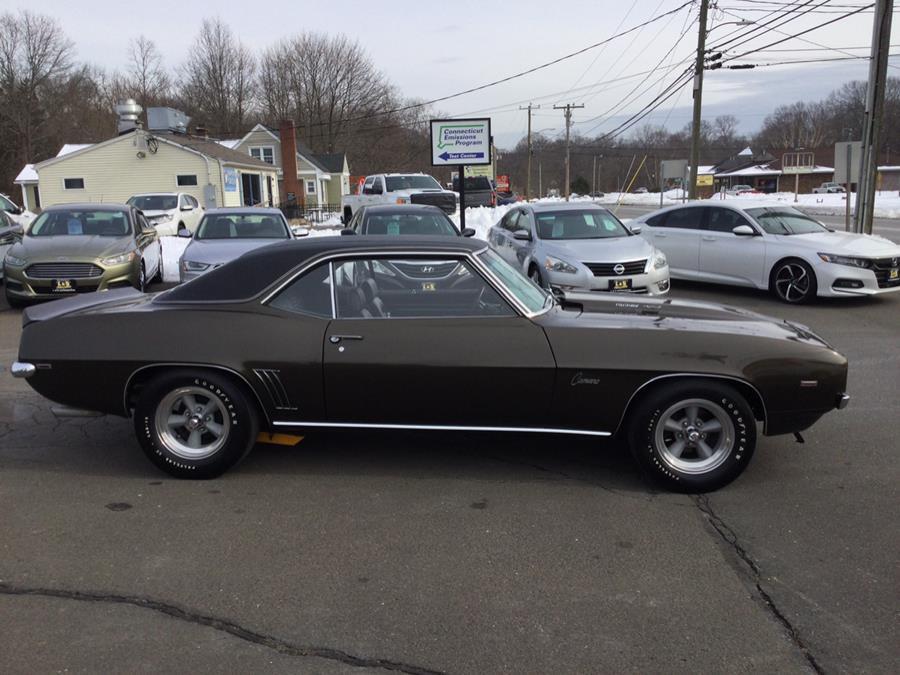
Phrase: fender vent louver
[272,382]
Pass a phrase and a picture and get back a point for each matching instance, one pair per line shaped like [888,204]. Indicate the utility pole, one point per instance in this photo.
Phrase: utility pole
[881,36]
[568,108]
[698,99]
[530,150]
[594,177]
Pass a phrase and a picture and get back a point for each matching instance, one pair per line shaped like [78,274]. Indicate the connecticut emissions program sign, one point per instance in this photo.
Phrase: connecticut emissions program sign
[456,142]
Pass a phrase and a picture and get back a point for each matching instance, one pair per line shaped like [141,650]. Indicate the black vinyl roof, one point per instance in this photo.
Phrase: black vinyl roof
[256,270]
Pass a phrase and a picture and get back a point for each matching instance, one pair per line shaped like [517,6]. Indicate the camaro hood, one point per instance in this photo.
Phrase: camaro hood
[845,243]
[613,249]
[688,314]
[216,251]
[74,247]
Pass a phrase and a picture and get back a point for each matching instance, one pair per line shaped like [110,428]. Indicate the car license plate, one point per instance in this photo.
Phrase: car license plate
[894,274]
[62,286]
[619,284]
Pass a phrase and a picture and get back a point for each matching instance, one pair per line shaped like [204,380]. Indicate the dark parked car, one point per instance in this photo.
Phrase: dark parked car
[393,332]
[408,219]
[479,191]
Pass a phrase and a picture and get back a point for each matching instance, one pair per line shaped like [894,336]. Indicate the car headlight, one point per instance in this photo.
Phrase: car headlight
[120,259]
[845,260]
[556,265]
[660,261]
[14,261]
[193,266]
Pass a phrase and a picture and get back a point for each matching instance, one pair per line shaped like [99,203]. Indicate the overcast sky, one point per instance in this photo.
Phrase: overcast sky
[432,49]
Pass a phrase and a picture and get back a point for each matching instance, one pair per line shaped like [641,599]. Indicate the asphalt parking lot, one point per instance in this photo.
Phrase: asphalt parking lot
[457,553]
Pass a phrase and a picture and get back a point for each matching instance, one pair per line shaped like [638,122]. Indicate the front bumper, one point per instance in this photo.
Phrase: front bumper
[655,282]
[21,286]
[842,280]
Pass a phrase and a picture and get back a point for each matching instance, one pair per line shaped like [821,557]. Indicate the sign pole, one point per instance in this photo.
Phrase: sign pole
[847,188]
[462,197]
[796,187]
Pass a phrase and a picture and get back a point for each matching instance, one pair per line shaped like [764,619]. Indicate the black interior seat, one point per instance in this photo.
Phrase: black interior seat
[374,303]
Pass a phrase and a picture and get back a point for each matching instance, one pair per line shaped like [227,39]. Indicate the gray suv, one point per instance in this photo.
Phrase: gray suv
[579,246]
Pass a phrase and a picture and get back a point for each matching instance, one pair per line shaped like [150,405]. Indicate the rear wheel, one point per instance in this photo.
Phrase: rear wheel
[794,281]
[693,436]
[195,424]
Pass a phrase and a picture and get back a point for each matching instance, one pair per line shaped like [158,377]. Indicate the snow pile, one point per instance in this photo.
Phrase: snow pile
[172,249]
[887,204]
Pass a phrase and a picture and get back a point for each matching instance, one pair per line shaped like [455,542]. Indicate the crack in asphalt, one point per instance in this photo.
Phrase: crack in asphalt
[730,537]
[224,625]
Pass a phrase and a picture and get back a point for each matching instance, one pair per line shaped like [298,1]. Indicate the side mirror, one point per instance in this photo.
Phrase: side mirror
[300,231]
[184,232]
[347,231]
[343,220]
[744,231]
[187,207]
[468,232]
[522,235]
[635,229]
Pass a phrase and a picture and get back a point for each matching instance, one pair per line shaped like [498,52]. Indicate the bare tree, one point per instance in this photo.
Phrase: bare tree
[218,79]
[147,77]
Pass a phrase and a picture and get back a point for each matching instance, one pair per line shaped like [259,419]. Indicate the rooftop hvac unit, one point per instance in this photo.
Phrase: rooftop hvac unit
[129,114]
[167,119]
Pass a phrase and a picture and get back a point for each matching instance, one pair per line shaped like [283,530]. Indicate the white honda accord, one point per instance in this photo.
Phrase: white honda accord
[771,246]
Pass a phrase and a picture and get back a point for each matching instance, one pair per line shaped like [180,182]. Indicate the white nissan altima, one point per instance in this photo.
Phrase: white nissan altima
[771,246]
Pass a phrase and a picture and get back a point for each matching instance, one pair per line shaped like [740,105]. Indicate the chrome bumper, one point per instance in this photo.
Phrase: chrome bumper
[22,370]
[842,401]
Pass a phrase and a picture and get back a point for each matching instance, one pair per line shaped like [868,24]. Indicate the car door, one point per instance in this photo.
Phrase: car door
[189,212]
[428,341]
[366,195]
[502,235]
[677,235]
[520,249]
[727,257]
[147,242]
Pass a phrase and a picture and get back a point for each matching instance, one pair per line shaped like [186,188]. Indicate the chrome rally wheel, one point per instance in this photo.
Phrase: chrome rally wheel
[695,436]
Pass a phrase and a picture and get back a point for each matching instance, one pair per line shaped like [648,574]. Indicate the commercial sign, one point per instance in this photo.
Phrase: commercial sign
[847,159]
[704,180]
[231,179]
[503,183]
[673,168]
[460,142]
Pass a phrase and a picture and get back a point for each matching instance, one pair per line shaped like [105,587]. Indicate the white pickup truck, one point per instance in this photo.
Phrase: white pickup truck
[399,188]
[828,188]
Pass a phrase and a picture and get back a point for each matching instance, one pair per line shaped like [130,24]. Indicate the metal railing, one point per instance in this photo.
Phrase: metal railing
[313,213]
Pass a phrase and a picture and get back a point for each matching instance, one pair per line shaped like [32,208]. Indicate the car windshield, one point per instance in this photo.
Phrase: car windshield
[409,223]
[579,224]
[786,220]
[6,204]
[411,183]
[534,298]
[76,222]
[154,202]
[242,226]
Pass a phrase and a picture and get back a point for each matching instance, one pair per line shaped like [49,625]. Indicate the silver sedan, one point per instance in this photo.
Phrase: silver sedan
[579,246]
[225,234]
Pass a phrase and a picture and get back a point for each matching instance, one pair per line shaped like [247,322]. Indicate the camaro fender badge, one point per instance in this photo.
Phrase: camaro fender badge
[579,378]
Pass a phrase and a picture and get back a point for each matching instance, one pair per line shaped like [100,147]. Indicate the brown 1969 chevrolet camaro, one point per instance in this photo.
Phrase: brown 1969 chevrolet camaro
[393,333]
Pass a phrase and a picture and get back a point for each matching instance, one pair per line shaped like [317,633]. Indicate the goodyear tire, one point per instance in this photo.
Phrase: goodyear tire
[693,436]
[195,424]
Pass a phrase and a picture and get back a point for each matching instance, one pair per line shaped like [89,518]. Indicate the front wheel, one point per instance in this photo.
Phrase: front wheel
[794,281]
[693,436]
[535,275]
[195,424]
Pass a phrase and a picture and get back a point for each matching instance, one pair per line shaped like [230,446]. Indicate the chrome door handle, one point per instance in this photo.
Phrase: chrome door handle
[660,235]
[335,339]
[708,238]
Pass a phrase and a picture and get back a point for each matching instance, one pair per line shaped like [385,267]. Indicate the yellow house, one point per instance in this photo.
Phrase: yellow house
[142,161]
[324,178]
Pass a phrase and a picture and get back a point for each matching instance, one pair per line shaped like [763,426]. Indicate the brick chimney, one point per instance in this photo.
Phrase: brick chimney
[291,184]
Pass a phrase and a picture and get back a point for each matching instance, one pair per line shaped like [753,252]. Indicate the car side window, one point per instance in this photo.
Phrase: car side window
[511,220]
[685,219]
[724,220]
[367,186]
[382,288]
[657,220]
[377,188]
[309,293]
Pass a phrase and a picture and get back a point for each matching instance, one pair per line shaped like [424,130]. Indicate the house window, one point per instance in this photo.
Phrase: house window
[310,187]
[264,153]
[186,179]
[73,183]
